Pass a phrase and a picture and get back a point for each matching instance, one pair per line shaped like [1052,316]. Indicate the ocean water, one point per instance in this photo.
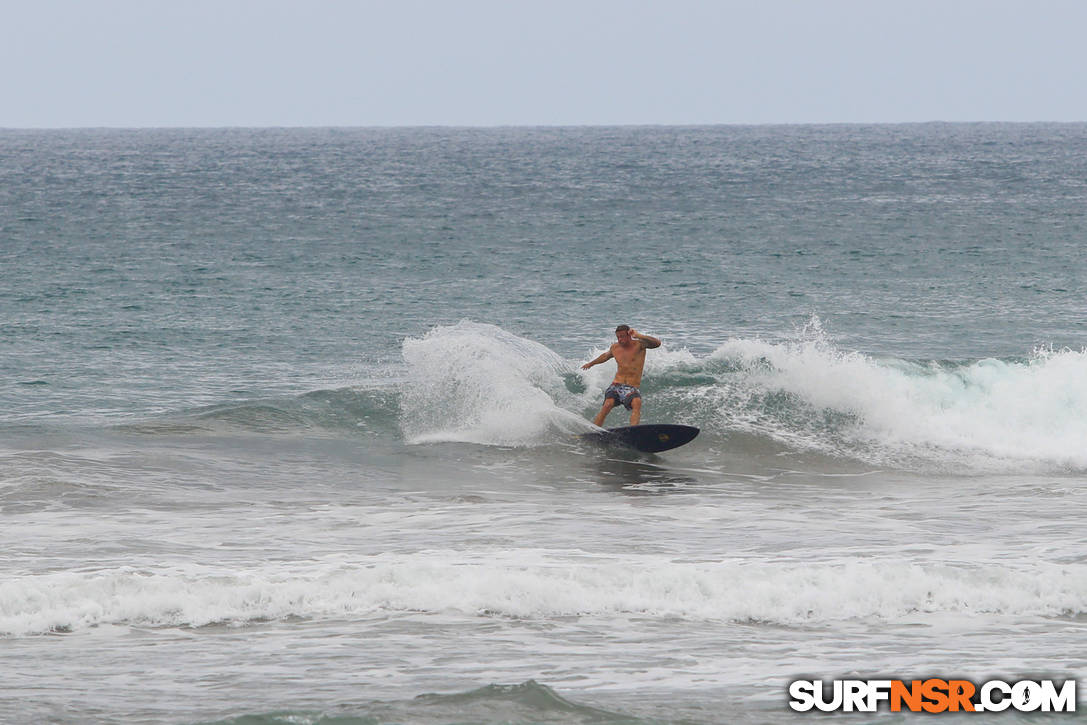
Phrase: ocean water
[288,420]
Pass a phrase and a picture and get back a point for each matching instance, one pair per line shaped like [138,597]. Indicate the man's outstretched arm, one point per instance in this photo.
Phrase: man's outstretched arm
[601,358]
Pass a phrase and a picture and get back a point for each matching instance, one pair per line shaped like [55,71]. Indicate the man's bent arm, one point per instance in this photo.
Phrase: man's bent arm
[650,341]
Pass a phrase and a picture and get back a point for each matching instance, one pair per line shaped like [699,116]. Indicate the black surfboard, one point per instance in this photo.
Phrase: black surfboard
[648,438]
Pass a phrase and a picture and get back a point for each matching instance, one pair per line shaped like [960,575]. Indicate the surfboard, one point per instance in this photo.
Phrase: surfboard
[648,438]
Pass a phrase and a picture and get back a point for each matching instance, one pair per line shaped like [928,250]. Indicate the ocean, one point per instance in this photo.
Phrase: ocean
[289,420]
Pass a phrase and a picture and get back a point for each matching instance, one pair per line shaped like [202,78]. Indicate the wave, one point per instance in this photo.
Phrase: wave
[539,584]
[478,383]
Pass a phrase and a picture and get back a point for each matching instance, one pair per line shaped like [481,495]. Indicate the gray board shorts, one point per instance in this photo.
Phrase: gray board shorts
[622,394]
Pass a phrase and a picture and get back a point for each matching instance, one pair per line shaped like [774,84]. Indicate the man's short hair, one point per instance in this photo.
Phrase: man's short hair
[622,328]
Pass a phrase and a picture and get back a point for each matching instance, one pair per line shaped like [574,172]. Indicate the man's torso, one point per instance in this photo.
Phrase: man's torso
[629,362]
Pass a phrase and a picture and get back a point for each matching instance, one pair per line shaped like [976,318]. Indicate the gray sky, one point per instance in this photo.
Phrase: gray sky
[540,62]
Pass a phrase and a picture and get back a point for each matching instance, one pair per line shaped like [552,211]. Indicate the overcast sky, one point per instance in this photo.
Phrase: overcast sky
[539,62]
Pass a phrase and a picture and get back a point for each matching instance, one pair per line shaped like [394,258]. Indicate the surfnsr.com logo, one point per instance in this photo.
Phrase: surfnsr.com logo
[933,695]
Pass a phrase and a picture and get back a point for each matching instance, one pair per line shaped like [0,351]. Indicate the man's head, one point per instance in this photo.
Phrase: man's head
[622,333]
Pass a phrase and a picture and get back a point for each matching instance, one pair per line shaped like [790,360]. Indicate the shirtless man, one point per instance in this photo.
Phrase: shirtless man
[629,354]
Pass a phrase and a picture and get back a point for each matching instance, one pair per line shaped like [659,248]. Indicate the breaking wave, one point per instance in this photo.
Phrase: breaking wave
[481,384]
[477,383]
[986,415]
[541,584]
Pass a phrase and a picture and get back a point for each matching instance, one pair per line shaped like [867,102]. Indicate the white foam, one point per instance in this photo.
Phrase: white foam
[477,383]
[990,415]
[540,584]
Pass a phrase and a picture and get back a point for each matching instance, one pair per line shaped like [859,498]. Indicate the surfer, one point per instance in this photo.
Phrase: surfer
[629,355]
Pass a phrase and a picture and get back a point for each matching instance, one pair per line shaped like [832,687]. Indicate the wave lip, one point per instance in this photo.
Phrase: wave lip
[540,584]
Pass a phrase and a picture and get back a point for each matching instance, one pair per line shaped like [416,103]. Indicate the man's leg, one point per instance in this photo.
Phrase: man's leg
[635,411]
[609,403]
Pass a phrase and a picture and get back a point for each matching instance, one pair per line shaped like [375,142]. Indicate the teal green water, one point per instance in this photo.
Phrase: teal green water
[287,418]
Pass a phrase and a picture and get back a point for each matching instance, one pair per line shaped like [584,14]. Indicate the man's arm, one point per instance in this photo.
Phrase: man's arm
[648,341]
[601,358]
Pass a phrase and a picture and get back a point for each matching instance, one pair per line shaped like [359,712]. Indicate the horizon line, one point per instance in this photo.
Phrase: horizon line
[497,126]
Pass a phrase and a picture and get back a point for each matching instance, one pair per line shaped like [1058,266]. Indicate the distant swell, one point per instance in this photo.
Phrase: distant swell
[527,702]
[538,584]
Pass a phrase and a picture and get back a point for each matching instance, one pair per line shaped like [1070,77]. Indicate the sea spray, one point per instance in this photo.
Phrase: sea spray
[478,383]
